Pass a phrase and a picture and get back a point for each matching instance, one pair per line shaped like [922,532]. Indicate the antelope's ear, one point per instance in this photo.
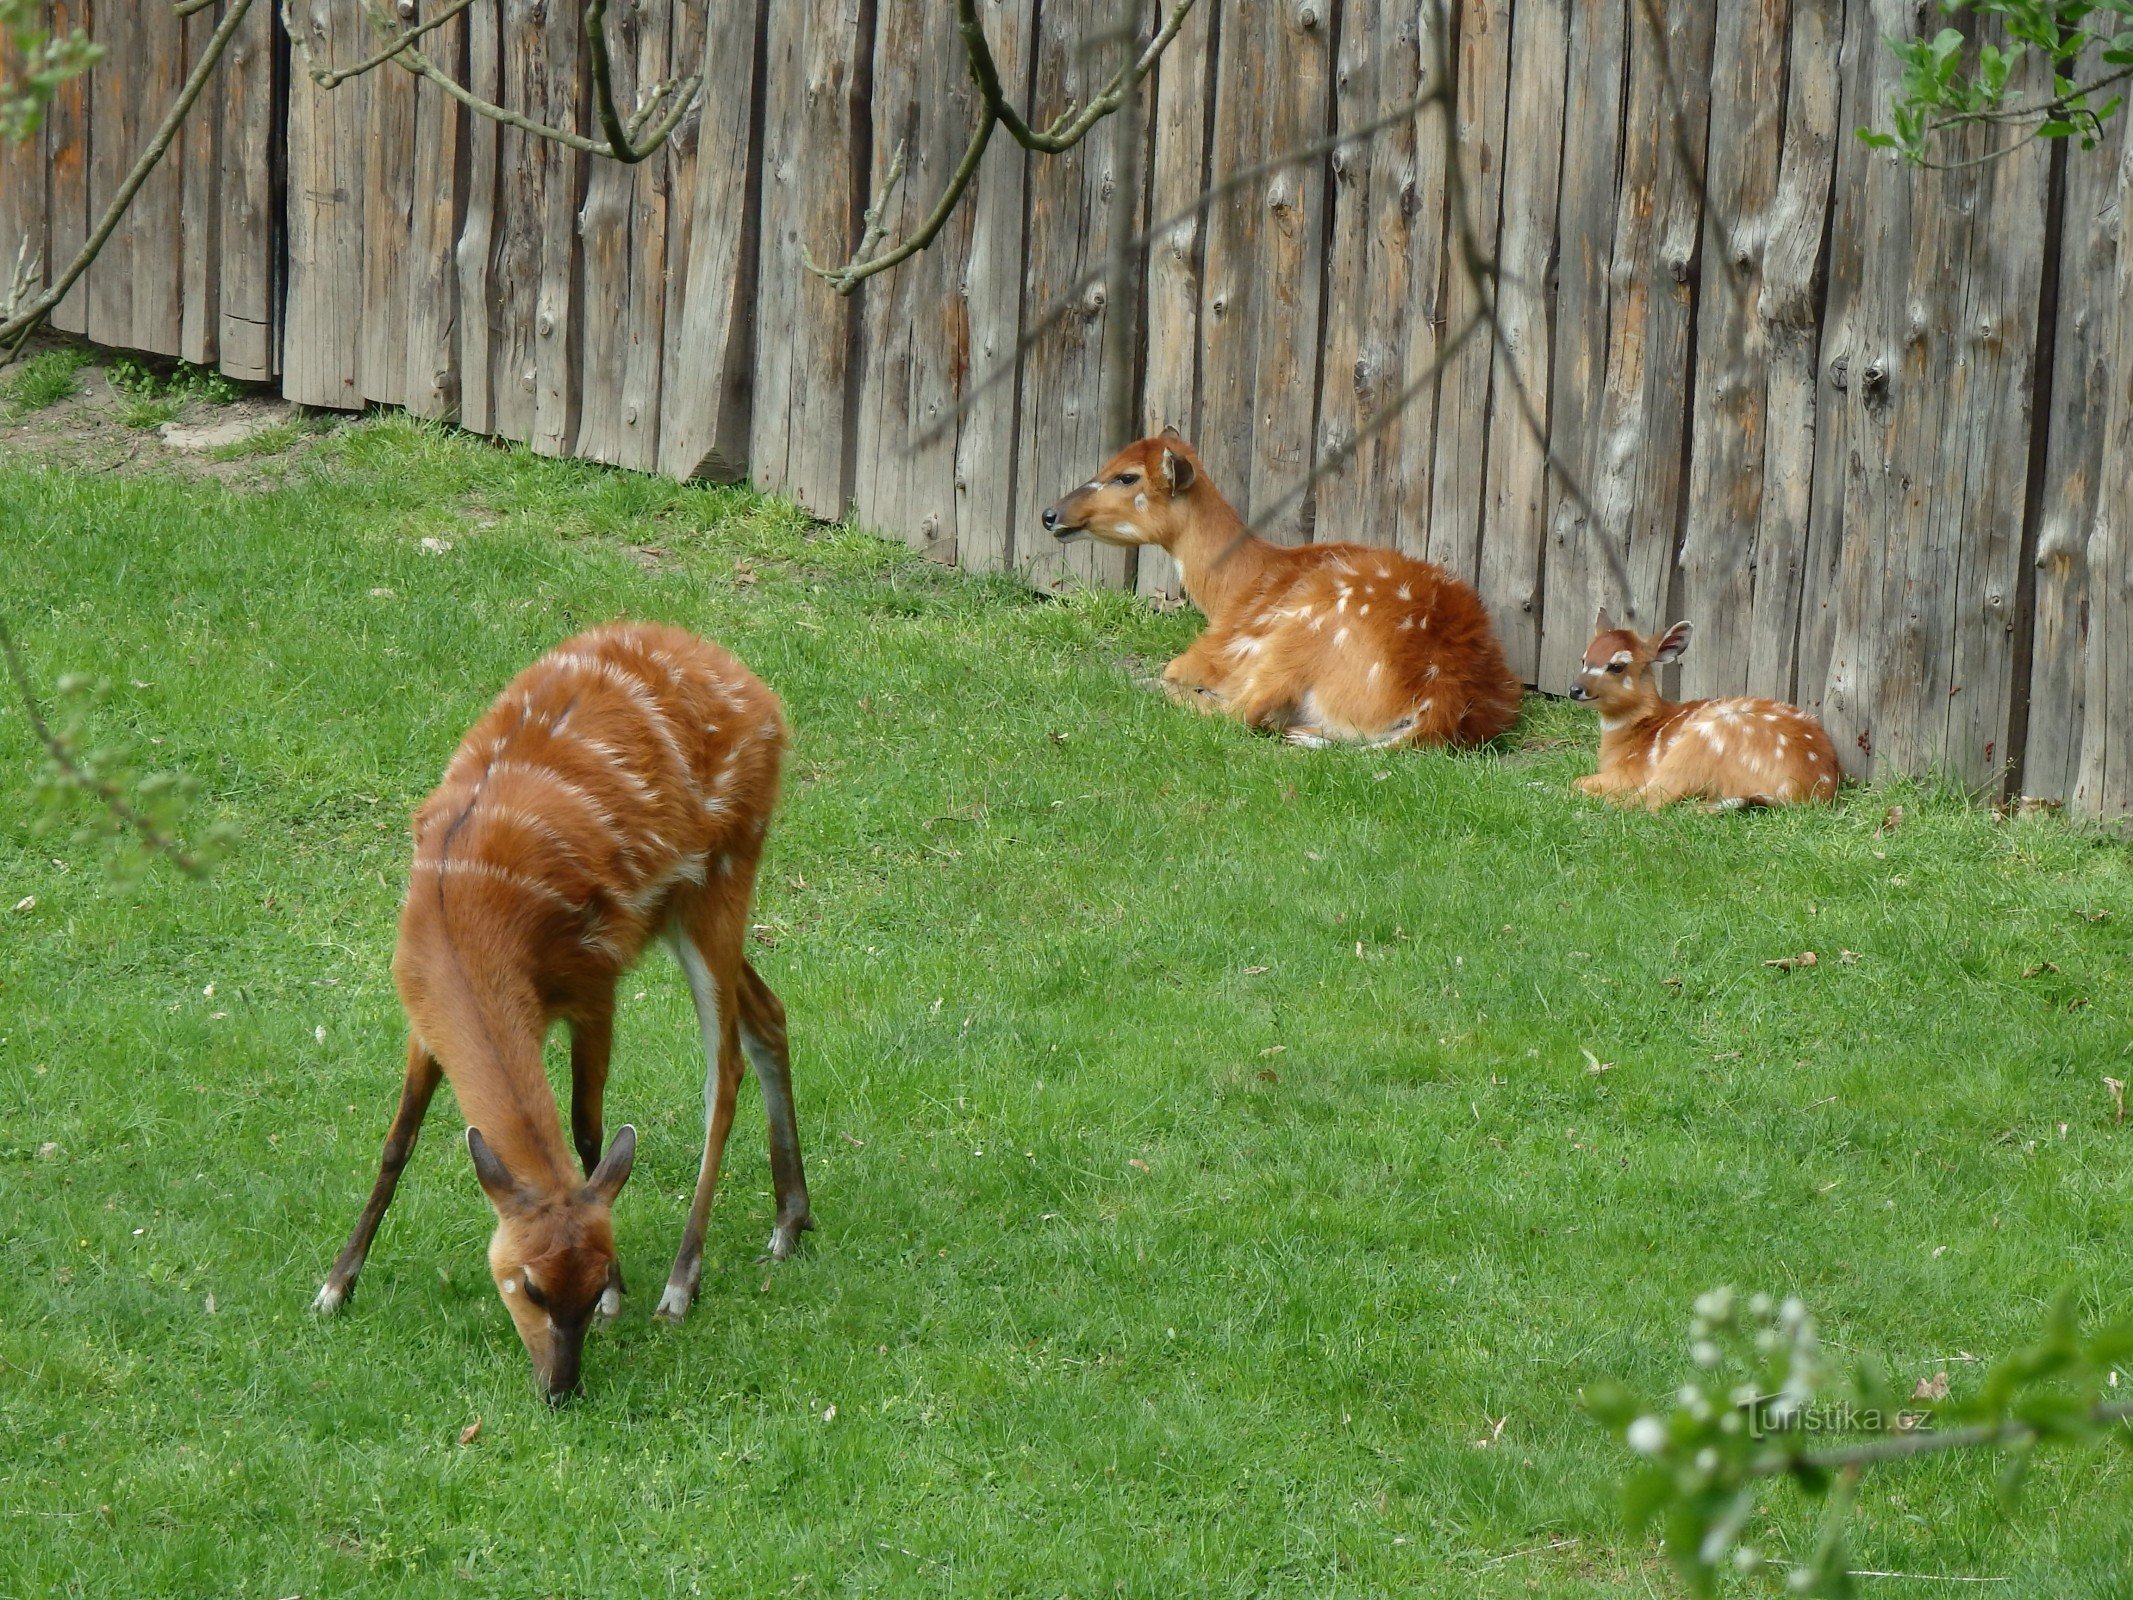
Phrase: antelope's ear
[1177,472]
[1672,644]
[496,1180]
[1170,431]
[1603,623]
[614,1169]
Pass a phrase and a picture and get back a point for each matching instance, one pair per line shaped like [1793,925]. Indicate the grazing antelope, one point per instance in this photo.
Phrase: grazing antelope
[619,788]
[1322,643]
[1736,752]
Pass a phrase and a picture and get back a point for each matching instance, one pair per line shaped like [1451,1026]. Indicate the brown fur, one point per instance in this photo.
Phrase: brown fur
[619,787]
[1653,751]
[1324,643]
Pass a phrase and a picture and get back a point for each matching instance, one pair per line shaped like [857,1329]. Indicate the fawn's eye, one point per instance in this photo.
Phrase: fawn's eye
[1128,479]
[533,1293]
[1616,666]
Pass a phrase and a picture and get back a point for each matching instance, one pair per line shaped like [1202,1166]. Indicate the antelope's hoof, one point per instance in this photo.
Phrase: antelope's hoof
[610,1305]
[330,1299]
[785,1238]
[673,1305]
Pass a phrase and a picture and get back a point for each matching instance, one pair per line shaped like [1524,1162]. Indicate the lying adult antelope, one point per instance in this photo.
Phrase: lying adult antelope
[1322,643]
[1741,751]
[619,788]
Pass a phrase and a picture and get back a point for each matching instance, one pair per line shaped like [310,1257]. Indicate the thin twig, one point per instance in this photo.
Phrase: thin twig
[1071,125]
[1927,1441]
[151,833]
[334,77]
[16,330]
[627,149]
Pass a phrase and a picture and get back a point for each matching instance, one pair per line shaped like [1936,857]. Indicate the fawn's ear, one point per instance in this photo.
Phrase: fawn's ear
[614,1169]
[1672,644]
[1603,623]
[496,1180]
[1170,431]
[1177,472]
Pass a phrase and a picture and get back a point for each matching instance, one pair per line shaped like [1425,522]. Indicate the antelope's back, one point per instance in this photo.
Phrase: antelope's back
[624,764]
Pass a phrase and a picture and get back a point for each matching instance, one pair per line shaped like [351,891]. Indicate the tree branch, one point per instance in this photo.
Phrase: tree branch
[146,828]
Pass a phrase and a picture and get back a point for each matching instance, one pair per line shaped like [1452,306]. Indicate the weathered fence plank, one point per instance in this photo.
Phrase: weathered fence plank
[327,135]
[2103,785]
[1576,578]
[709,357]
[1515,483]
[1718,567]
[437,202]
[1483,64]
[388,201]
[475,256]
[66,138]
[812,101]
[1259,319]
[1789,310]
[1069,392]
[1384,284]
[918,327]
[2086,369]
[610,248]
[23,246]
[198,282]
[248,340]
[1178,175]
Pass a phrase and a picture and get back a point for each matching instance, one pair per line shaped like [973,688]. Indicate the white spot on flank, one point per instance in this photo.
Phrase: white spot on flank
[1375,667]
[1140,502]
[510,1286]
[1781,741]
[1405,624]
[1815,756]
[1363,610]
[1339,638]
[1425,705]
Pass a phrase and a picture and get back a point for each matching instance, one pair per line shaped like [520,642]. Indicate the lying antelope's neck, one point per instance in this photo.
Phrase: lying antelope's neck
[1628,731]
[1217,557]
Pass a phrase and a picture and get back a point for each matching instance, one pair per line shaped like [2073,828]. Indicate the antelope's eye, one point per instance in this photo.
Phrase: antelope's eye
[1128,479]
[533,1293]
[1616,666]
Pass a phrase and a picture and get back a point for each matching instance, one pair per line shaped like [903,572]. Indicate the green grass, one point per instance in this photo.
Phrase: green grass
[43,380]
[1200,1131]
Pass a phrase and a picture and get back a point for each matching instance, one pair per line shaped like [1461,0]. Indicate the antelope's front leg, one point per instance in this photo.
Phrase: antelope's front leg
[592,1037]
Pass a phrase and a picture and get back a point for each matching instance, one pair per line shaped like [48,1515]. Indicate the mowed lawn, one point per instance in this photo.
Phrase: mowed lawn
[1217,1195]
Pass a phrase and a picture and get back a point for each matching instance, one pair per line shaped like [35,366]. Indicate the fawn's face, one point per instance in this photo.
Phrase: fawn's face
[1618,673]
[552,1259]
[1138,497]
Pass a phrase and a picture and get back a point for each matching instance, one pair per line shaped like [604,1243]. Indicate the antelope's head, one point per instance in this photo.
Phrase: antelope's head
[1142,495]
[1618,674]
[553,1256]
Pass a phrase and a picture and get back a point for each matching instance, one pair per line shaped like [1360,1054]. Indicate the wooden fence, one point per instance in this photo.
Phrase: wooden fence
[1867,426]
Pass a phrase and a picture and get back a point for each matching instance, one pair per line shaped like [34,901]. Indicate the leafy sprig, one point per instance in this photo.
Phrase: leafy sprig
[1764,1403]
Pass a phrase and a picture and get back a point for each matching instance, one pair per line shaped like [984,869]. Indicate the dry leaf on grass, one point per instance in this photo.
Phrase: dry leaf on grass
[1593,1064]
[2118,1098]
[27,903]
[1253,972]
[1136,1161]
[1933,1388]
[470,1432]
[2040,969]
[1891,820]
[1806,958]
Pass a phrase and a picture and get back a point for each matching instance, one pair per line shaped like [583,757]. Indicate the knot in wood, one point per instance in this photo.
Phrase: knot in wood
[545,324]
[1677,267]
[1307,15]
[1877,379]
[1096,299]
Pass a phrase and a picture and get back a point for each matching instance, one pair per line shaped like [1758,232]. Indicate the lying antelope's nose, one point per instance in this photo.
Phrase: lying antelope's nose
[1051,518]
[1577,691]
[563,1396]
